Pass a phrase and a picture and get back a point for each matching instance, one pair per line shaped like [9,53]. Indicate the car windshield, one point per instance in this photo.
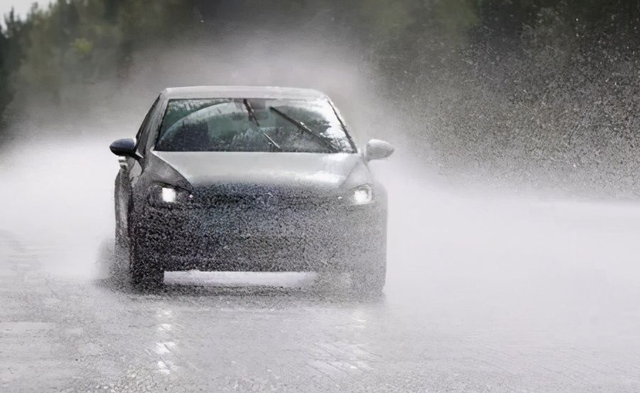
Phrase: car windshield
[253,125]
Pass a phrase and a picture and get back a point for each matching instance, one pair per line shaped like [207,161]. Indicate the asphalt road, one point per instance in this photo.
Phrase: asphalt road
[485,294]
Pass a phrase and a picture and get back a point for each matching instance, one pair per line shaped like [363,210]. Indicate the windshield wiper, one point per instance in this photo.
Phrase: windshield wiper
[301,126]
[252,117]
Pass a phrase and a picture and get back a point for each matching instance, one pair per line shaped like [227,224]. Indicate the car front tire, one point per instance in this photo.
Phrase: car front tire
[369,278]
[144,270]
[117,267]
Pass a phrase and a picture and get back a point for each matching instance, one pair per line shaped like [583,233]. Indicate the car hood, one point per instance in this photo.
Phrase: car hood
[299,170]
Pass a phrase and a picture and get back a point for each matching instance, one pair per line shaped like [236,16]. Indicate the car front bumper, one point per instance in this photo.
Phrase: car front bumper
[260,239]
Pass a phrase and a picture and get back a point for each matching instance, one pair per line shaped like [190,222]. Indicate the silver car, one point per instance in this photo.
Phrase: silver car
[249,179]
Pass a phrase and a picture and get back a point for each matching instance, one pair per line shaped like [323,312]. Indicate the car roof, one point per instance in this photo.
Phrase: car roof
[241,92]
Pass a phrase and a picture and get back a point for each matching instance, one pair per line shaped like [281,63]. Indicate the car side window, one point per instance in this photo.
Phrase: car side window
[143,132]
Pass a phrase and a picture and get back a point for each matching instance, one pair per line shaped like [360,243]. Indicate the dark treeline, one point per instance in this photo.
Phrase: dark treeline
[549,84]
[81,42]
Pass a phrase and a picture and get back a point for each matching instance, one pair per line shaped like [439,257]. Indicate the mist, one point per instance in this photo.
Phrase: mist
[446,237]
[517,282]
[494,283]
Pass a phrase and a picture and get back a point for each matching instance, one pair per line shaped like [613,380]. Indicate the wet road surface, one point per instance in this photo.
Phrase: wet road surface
[484,295]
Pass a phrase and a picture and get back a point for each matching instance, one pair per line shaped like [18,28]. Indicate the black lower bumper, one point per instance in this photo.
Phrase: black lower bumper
[257,239]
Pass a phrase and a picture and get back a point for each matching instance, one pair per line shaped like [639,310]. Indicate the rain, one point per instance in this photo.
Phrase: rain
[512,197]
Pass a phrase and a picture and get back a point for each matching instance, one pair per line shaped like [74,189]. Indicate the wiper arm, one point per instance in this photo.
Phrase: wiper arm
[304,128]
[252,117]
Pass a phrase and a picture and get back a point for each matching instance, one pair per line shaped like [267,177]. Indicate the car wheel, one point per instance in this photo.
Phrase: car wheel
[120,254]
[145,272]
[116,268]
[369,278]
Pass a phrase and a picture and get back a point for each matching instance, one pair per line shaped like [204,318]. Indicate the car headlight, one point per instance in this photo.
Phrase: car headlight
[169,195]
[165,195]
[361,195]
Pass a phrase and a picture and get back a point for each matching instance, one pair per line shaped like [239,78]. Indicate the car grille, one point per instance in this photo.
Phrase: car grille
[243,197]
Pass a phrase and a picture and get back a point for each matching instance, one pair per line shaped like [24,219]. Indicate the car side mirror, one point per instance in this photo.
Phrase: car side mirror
[124,148]
[377,150]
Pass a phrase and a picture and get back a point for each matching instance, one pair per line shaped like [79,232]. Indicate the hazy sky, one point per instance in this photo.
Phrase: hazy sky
[21,6]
